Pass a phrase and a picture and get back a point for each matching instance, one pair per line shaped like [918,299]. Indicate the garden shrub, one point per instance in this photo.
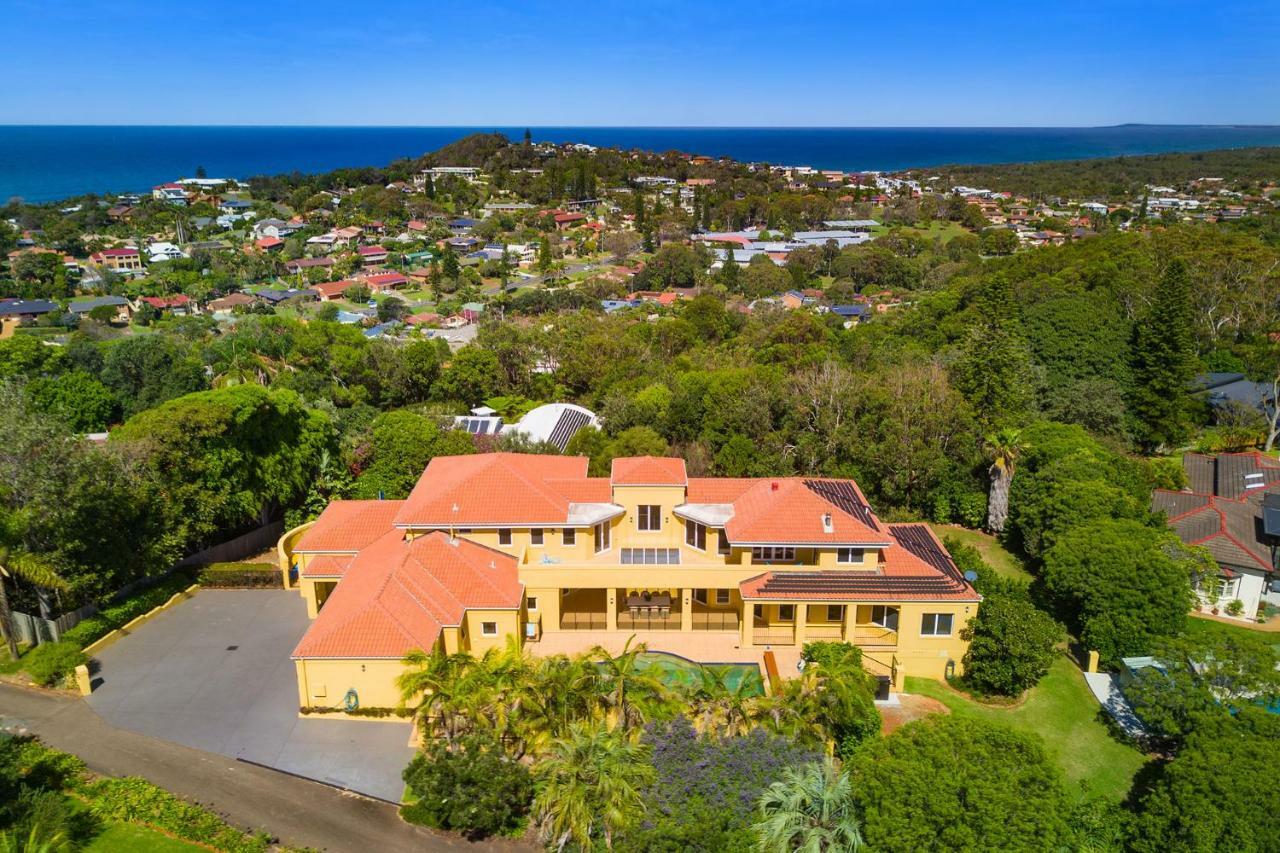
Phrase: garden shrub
[49,663]
[135,800]
[477,790]
[849,711]
[1012,643]
[705,792]
[239,575]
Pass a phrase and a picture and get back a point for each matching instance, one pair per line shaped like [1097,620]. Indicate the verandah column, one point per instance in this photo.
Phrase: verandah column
[801,617]
[747,623]
[850,622]
[686,610]
[611,609]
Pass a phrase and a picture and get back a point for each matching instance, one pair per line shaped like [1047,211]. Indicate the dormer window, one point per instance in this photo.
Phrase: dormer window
[695,535]
[849,555]
[649,517]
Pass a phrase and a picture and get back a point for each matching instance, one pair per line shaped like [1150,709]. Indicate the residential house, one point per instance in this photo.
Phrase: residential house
[472,311]
[372,254]
[274,295]
[170,193]
[297,265]
[122,307]
[26,310]
[178,304]
[331,291]
[226,305]
[385,282]
[268,244]
[158,252]
[127,259]
[1231,506]
[235,205]
[496,548]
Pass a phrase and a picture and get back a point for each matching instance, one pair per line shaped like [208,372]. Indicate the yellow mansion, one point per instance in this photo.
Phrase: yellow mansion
[494,546]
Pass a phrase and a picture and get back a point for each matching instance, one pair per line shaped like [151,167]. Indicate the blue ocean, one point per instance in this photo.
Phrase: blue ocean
[44,163]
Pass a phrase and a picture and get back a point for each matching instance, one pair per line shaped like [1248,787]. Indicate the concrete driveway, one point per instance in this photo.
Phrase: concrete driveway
[214,673]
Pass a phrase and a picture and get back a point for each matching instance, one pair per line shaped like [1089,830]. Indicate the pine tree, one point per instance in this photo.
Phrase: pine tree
[1164,363]
[730,273]
[429,187]
[545,260]
[449,265]
[528,137]
[639,209]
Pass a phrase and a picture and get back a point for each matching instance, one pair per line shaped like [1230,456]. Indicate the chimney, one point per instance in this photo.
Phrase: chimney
[826,523]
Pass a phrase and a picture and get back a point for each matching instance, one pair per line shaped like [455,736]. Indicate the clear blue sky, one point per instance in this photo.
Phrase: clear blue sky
[528,62]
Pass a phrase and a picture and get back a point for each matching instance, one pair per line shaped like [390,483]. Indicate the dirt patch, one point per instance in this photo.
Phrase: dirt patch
[911,707]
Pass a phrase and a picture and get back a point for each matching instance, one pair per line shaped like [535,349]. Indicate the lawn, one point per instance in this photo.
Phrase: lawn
[996,555]
[1197,627]
[1065,714]
[131,838]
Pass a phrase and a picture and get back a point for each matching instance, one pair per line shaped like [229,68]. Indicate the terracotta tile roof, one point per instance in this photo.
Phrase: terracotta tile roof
[792,511]
[914,568]
[493,489]
[349,526]
[332,289]
[648,471]
[386,279]
[717,490]
[326,566]
[397,594]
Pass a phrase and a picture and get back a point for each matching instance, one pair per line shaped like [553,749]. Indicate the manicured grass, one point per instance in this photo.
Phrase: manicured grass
[1065,714]
[131,838]
[1197,627]
[996,555]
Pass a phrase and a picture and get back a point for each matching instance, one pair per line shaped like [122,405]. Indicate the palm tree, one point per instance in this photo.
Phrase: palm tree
[439,682]
[1003,447]
[731,710]
[31,568]
[811,810]
[632,694]
[37,840]
[590,784]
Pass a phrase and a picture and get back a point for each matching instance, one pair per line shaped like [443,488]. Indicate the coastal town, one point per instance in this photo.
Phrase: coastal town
[558,496]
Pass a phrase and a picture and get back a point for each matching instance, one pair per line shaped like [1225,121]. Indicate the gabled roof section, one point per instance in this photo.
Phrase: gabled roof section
[648,471]
[792,511]
[492,489]
[346,527]
[398,594]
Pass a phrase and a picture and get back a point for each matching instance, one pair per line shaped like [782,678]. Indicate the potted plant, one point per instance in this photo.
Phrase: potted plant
[1235,608]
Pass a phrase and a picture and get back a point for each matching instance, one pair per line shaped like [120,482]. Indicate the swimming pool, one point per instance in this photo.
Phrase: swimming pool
[676,671]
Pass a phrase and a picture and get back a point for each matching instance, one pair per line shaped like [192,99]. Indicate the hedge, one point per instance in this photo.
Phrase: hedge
[114,616]
[49,663]
[239,575]
[135,800]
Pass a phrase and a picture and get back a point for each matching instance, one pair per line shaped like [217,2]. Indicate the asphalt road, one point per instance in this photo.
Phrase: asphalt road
[517,282]
[299,812]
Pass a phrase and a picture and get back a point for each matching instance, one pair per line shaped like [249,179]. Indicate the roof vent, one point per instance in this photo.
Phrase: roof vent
[492,564]
[773,487]
[827,527]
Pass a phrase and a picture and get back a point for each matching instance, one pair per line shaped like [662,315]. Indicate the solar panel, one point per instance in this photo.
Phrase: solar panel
[916,539]
[856,583]
[842,494]
[571,420]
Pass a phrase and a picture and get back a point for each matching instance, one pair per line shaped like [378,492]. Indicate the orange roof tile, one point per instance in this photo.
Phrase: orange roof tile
[397,594]
[326,566]
[915,567]
[792,511]
[349,526]
[648,471]
[492,489]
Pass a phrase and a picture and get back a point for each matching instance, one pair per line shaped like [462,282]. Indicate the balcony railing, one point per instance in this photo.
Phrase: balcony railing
[641,622]
[715,621]
[583,621]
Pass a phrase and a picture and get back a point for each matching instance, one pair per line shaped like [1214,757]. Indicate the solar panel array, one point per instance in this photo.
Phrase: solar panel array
[481,426]
[917,539]
[854,583]
[846,497]
[571,420]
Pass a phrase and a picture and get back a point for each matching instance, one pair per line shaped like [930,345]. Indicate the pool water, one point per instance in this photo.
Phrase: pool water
[676,671]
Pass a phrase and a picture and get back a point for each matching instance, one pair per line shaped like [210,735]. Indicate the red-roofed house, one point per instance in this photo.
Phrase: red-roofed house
[493,547]
[372,254]
[386,281]
[268,244]
[179,303]
[118,260]
[329,291]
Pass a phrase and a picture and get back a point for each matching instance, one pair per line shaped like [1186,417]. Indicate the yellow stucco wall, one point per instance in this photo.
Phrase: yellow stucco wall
[324,683]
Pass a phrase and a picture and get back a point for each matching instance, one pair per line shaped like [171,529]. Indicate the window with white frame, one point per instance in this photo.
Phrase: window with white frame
[835,612]
[773,554]
[488,629]
[786,612]
[884,616]
[649,517]
[535,536]
[849,555]
[700,596]
[723,547]
[722,596]
[531,603]
[570,536]
[602,533]
[695,535]
[757,610]
[504,536]
[935,625]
